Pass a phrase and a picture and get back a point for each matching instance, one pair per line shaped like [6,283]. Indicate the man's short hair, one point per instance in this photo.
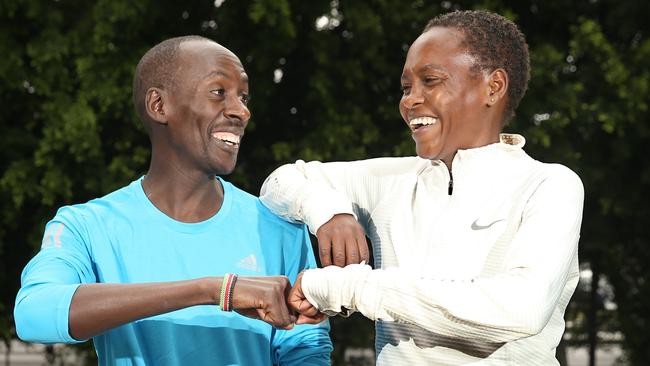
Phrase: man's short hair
[156,69]
[495,42]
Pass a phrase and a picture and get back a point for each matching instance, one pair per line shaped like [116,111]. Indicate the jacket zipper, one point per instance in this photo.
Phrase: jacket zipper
[450,189]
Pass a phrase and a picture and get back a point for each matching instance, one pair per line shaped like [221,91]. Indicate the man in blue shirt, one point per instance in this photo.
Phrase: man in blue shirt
[144,271]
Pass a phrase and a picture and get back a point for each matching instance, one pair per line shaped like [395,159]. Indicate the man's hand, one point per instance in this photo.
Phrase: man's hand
[264,298]
[308,314]
[341,241]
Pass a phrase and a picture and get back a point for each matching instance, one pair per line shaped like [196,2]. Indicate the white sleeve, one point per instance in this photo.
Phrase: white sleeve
[314,192]
[515,303]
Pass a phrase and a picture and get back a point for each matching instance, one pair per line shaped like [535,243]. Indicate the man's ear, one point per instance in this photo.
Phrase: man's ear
[155,102]
[497,87]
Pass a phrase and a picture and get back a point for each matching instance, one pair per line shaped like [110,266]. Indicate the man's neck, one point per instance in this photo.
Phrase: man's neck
[184,197]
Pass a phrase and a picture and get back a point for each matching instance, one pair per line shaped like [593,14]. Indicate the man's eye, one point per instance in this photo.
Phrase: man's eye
[406,89]
[245,98]
[218,92]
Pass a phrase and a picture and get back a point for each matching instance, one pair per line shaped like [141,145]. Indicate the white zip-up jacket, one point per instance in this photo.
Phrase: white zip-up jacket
[475,267]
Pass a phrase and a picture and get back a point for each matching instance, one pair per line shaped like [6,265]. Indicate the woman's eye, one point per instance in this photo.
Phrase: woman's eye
[406,89]
[431,80]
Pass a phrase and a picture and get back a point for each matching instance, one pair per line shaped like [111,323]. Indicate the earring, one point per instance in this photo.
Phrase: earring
[492,100]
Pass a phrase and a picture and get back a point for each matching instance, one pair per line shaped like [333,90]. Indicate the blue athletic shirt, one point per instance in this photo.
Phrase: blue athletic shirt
[124,238]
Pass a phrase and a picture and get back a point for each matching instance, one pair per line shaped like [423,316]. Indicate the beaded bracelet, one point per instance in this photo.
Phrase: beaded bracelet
[227,286]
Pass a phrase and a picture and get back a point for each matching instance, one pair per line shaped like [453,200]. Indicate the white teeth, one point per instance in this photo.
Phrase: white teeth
[423,121]
[227,137]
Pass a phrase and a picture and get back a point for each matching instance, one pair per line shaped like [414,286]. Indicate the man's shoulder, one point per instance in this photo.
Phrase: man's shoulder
[252,205]
[98,207]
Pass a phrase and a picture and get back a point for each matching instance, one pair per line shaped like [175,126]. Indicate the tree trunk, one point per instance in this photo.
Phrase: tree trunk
[50,357]
[7,342]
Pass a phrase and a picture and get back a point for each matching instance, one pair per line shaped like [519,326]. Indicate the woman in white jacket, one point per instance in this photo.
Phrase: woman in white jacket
[475,243]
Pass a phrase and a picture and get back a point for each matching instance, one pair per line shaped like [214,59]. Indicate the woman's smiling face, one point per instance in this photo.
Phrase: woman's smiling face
[444,97]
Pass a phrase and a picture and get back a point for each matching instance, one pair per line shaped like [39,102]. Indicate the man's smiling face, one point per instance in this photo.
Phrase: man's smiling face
[209,110]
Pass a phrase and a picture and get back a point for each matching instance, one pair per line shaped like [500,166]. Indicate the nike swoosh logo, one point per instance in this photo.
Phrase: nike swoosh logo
[476,226]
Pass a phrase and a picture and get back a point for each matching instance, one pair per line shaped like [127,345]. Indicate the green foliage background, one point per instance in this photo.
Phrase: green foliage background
[69,132]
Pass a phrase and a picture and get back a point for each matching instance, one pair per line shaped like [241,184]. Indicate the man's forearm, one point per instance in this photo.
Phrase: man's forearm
[98,307]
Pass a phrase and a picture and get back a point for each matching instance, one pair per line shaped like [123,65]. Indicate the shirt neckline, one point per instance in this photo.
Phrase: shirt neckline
[194,227]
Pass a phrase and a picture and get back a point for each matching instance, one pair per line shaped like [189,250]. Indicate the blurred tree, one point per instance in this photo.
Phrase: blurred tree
[594,118]
[325,85]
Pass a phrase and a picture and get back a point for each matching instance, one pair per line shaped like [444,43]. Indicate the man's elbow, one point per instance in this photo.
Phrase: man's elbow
[36,323]
[25,329]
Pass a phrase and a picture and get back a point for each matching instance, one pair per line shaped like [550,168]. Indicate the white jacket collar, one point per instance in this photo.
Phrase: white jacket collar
[508,143]
[513,140]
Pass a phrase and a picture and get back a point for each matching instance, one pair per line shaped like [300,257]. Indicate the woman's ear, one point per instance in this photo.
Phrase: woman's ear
[497,87]
[155,105]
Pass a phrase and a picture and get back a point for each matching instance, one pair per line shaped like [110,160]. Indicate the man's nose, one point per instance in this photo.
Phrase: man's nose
[235,108]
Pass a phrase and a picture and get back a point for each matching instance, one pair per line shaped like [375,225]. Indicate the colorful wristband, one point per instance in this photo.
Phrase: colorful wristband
[231,289]
[227,285]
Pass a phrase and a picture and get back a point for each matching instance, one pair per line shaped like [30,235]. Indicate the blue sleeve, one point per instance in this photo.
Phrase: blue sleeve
[50,280]
[306,344]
